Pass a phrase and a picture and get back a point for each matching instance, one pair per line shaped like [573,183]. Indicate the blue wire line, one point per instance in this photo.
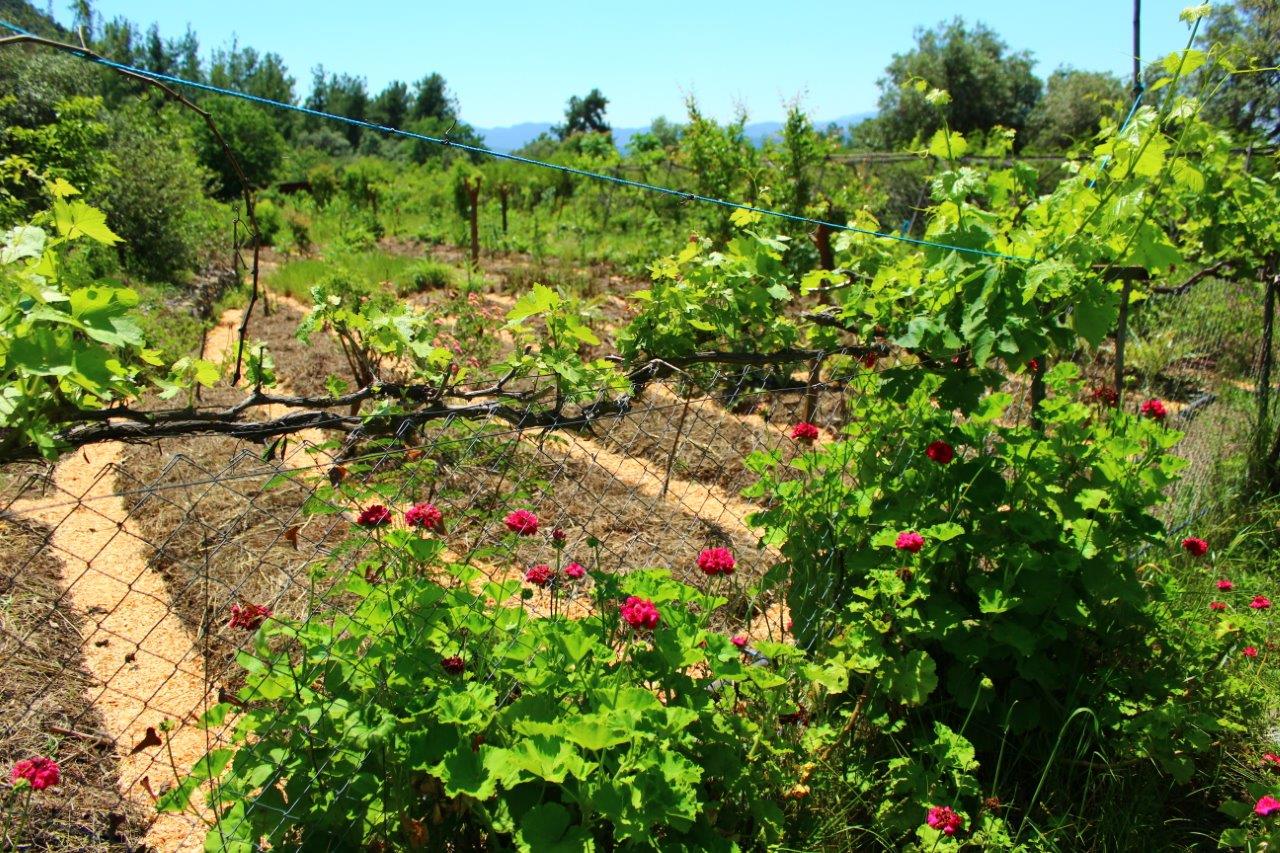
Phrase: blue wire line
[516,158]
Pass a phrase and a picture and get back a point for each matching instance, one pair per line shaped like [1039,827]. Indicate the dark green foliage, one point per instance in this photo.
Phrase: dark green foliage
[1249,34]
[1074,103]
[431,99]
[156,196]
[342,94]
[247,70]
[252,136]
[989,86]
[391,106]
[584,115]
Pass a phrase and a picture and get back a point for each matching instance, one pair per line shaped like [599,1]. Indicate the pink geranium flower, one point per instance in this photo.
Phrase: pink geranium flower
[248,616]
[945,820]
[909,541]
[940,452]
[805,431]
[739,640]
[1271,758]
[374,516]
[424,515]
[1267,805]
[522,522]
[1195,546]
[1249,651]
[1154,409]
[40,772]
[575,571]
[1260,602]
[1225,584]
[716,561]
[540,575]
[640,613]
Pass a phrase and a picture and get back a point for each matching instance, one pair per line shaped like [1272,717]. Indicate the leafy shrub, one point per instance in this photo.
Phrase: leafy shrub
[298,230]
[160,209]
[270,221]
[429,700]
[985,573]
[253,138]
[427,275]
[66,342]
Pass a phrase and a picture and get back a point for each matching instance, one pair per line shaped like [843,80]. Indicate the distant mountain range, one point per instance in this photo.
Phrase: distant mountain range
[515,136]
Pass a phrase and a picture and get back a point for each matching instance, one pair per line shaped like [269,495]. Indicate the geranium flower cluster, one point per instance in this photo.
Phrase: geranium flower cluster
[804,432]
[249,616]
[640,613]
[945,820]
[522,522]
[38,771]
[424,516]
[716,561]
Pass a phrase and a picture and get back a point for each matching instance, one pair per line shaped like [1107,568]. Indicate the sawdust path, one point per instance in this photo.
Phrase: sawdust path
[144,664]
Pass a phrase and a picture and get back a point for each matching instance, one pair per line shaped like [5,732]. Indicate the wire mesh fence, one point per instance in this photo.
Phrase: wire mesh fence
[124,566]
[130,573]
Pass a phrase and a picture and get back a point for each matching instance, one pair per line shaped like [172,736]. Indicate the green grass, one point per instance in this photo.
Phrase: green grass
[296,277]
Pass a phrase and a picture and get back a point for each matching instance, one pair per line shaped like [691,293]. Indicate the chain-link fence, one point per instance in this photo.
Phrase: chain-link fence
[129,571]
[121,568]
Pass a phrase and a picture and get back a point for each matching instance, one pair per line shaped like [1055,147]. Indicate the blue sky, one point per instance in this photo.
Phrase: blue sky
[509,62]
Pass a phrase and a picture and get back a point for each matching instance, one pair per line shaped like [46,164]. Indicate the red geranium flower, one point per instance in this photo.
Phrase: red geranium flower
[909,541]
[1249,651]
[1154,409]
[424,515]
[374,516]
[945,820]
[1271,758]
[716,561]
[540,575]
[453,665]
[39,771]
[1033,365]
[869,361]
[522,522]
[1195,546]
[1105,395]
[1225,584]
[249,617]
[940,452]
[575,571]
[640,613]
[805,431]
[1217,605]
[1267,805]
[1260,602]
[558,538]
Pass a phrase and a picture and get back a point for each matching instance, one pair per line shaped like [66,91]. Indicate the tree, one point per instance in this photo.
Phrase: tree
[341,94]
[988,84]
[431,99]
[1248,33]
[584,115]
[251,135]
[264,75]
[1074,103]
[391,106]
